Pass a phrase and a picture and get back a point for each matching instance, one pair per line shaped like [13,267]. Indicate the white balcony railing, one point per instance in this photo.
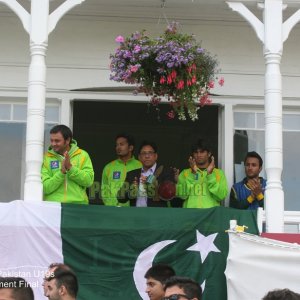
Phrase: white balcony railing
[291,221]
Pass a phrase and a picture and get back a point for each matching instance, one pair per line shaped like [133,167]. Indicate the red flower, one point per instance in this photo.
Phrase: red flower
[180,85]
[169,79]
[221,81]
[194,79]
[173,74]
[211,84]
[171,114]
[162,80]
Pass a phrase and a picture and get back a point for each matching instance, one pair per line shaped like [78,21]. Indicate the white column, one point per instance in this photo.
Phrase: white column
[227,142]
[33,189]
[274,195]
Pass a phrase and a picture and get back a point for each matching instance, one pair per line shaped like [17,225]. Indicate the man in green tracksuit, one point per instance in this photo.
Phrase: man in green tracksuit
[114,173]
[67,170]
[202,185]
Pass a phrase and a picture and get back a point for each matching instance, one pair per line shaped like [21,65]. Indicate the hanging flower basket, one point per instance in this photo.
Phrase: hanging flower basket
[173,66]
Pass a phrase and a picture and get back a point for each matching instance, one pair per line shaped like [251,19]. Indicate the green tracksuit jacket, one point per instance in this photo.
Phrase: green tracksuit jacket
[69,187]
[113,176]
[202,190]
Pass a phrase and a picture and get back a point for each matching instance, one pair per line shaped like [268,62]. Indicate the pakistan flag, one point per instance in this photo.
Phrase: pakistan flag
[111,248]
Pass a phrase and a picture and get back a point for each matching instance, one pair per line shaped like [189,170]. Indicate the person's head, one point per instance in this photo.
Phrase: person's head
[284,294]
[253,164]
[62,285]
[201,152]
[50,273]
[148,154]
[182,288]
[60,138]
[124,145]
[15,288]
[156,277]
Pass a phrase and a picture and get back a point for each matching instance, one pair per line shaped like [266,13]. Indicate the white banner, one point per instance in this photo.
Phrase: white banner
[257,265]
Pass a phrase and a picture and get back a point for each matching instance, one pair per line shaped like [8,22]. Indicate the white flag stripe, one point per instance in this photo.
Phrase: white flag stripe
[256,265]
[29,240]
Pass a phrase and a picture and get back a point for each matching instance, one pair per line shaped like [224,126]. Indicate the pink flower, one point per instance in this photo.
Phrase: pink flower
[137,49]
[155,100]
[120,39]
[171,114]
[180,85]
[169,79]
[211,84]
[204,100]
[162,80]
[194,79]
[188,82]
[221,81]
[134,69]
[173,74]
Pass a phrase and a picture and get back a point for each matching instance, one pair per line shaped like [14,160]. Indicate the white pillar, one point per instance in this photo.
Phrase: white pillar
[33,189]
[227,141]
[274,195]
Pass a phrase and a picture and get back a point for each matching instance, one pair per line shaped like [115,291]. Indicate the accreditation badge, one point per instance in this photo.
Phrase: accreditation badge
[117,175]
[54,164]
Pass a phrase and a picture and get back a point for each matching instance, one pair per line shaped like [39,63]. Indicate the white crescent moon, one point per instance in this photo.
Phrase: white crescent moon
[144,262]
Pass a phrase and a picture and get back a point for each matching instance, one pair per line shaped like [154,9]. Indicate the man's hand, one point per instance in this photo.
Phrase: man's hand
[193,164]
[176,174]
[66,162]
[255,186]
[211,166]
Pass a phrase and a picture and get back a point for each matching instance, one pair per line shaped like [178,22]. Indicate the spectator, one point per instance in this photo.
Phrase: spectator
[202,185]
[249,193]
[182,288]
[284,294]
[141,185]
[67,170]
[62,284]
[114,173]
[156,277]
[15,288]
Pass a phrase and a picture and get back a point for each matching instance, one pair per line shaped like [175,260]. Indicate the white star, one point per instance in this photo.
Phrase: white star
[205,245]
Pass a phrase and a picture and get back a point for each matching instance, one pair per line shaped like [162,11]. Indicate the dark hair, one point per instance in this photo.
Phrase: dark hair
[201,145]
[160,272]
[21,290]
[147,143]
[254,155]
[190,287]
[67,278]
[64,130]
[129,138]
[284,294]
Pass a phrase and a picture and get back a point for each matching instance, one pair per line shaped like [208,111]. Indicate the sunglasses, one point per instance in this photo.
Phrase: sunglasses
[176,297]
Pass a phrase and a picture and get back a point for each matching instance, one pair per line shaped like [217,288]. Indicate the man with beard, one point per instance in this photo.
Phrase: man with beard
[67,170]
[62,284]
[202,185]
[114,173]
[249,193]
